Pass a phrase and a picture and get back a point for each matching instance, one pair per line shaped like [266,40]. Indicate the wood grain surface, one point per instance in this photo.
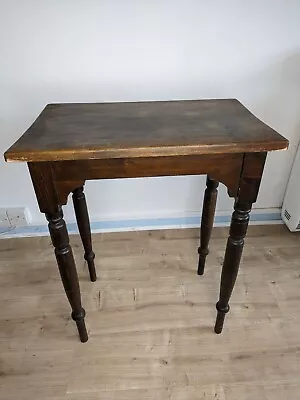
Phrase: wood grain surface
[151,320]
[143,129]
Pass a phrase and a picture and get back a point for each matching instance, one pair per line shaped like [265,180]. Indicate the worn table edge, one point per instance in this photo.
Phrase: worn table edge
[138,152]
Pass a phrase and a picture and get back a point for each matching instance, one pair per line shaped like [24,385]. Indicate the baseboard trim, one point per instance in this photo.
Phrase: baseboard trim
[258,217]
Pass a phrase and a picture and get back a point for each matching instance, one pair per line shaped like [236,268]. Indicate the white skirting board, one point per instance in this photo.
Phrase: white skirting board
[178,221]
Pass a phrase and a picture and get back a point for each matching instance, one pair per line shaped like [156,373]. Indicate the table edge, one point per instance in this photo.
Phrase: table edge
[137,152]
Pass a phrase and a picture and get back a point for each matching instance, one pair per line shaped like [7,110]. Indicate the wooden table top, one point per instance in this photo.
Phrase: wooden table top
[143,129]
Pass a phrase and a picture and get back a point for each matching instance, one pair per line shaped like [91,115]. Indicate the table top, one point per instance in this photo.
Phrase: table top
[73,131]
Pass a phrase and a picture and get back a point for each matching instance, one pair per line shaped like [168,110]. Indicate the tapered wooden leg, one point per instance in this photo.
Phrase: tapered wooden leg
[83,222]
[67,268]
[251,174]
[235,243]
[207,220]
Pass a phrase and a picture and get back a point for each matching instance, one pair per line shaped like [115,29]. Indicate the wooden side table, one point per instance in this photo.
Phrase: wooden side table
[71,143]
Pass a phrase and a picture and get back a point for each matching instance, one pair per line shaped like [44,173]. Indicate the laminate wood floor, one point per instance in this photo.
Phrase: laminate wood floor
[150,319]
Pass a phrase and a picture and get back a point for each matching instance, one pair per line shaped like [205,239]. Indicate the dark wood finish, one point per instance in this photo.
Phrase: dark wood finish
[83,222]
[71,143]
[207,220]
[66,264]
[143,129]
[223,167]
[44,186]
[253,167]
[249,187]
[233,254]
[49,203]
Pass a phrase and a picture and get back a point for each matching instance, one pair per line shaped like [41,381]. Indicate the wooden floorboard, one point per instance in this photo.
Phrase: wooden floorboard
[150,319]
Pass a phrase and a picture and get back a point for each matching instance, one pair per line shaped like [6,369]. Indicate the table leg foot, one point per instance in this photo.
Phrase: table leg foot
[220,318]
[79,319]
[201,262]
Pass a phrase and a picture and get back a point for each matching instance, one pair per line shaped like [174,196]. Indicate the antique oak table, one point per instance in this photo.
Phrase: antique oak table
[71,143]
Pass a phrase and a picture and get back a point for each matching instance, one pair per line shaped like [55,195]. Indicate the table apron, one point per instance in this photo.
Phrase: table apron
[225,168]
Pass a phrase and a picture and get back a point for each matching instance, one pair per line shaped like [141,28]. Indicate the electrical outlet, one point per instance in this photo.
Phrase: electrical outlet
[18,216]
[4,221]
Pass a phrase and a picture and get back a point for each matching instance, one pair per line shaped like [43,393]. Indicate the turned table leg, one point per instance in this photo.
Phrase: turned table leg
[207,220]
[235,244]
[67,268]
[83,222]
[250,179]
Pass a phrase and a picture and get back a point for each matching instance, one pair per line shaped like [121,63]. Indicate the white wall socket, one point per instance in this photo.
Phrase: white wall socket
[12,217]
